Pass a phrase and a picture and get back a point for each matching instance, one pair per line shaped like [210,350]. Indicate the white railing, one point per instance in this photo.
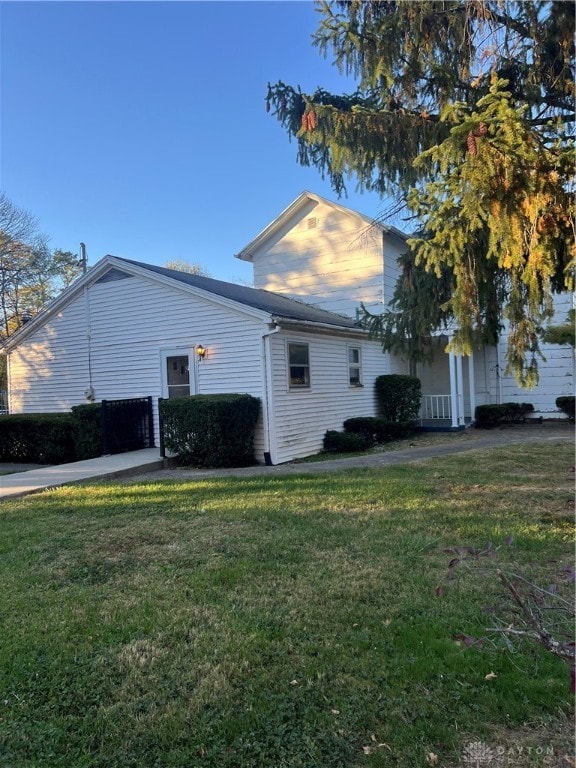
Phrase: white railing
[3,402]
[436,407]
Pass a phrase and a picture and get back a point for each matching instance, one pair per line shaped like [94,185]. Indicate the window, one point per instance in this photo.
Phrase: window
[178,375]
[298,366]
[354,367]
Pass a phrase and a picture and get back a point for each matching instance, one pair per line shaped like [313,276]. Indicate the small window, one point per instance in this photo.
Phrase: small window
[354,367]
[298,366]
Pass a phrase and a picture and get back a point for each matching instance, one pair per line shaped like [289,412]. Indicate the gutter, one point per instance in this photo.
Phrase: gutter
[309,326]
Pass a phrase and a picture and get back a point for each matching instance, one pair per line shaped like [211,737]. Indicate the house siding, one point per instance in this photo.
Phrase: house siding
[302,416]
[335,265]
[131,322]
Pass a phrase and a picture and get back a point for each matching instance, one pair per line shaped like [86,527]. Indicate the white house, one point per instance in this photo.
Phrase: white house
[336,258]
[128,329]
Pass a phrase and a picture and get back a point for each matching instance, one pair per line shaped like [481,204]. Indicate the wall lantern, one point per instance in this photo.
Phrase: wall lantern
[201,351]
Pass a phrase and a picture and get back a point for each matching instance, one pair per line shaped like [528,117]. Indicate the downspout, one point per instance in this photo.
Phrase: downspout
[269,422]
[89,393]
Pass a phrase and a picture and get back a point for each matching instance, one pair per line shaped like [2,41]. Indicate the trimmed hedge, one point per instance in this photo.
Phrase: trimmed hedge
[88,430]
[488,416]
[398,398]
[378,430]
[565,403]
[345,442]
[211,430]
[40,438]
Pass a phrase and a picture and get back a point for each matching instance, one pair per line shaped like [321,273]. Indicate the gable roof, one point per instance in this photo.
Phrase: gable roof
[278,308]
[297,205]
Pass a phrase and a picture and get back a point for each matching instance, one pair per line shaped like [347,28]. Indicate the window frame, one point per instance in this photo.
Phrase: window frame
[354,366]
[176,352]
[307,384]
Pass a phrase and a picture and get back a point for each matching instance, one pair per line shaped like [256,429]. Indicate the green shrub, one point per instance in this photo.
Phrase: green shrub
[566,405]
[488,416]
[393,430]
[365,426]
[376,429]
[398,398]
[87,430]
[211,430]
[345,442]
[40,438]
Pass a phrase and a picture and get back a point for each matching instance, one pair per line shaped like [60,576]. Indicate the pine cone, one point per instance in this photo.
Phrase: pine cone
[482,130]
[305,121]
[312,120]
[471,144]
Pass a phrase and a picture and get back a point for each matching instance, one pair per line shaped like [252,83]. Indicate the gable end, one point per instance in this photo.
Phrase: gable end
[112,275]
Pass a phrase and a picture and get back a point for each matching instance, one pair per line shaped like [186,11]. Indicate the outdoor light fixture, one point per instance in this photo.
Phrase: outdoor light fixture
[200,351]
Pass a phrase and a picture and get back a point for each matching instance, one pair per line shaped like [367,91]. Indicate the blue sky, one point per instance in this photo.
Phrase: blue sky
[139,128]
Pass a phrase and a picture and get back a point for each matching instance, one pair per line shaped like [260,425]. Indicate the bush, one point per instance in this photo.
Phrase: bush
[488,416]
[211,430]
[365,426]
[87,430]
[398,398]
[392,430]
[345,442]
[566,405]
[376,429]
[41,438]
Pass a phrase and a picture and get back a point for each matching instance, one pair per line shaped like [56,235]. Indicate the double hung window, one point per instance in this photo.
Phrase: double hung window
[298,366]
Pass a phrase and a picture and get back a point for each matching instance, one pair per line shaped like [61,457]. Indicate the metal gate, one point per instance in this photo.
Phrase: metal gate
[127,425]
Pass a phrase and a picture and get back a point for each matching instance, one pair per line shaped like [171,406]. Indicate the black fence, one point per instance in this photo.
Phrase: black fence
[128,425]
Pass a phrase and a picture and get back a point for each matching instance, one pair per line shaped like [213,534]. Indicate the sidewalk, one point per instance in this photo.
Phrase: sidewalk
[40,478]
[454,443]
[148,465]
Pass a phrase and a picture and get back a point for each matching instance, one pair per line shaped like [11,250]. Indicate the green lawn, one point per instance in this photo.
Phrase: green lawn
[283,622]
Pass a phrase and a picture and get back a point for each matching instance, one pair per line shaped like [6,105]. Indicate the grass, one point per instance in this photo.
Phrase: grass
[286,622]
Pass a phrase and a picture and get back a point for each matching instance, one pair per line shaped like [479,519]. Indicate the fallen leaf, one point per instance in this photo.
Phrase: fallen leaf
[335,711]
[491,676]
[293,682]
[367,750]
[431,758]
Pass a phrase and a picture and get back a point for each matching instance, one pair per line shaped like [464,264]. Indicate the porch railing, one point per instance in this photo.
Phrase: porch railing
[3,402]
[436,407]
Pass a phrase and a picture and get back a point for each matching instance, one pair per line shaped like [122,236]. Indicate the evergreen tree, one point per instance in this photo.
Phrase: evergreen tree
[465,111]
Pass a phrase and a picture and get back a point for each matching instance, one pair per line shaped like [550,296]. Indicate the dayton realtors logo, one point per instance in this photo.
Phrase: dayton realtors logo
[477,754]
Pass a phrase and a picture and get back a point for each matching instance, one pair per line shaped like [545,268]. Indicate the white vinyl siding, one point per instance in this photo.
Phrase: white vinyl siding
[131,321]
[303,416]
[335,265]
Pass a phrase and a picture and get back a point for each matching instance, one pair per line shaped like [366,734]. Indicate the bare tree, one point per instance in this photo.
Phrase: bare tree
[30,275]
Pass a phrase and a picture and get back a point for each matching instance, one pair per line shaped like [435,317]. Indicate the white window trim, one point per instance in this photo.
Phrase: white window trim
[178,352]
[295,387]
[357,366]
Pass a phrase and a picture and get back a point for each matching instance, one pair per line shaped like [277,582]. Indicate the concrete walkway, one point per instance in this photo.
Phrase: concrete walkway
[148,464]
[40,478]
[445,444]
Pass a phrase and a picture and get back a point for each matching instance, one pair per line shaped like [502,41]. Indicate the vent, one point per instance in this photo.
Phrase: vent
[112,275]
[312,222]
